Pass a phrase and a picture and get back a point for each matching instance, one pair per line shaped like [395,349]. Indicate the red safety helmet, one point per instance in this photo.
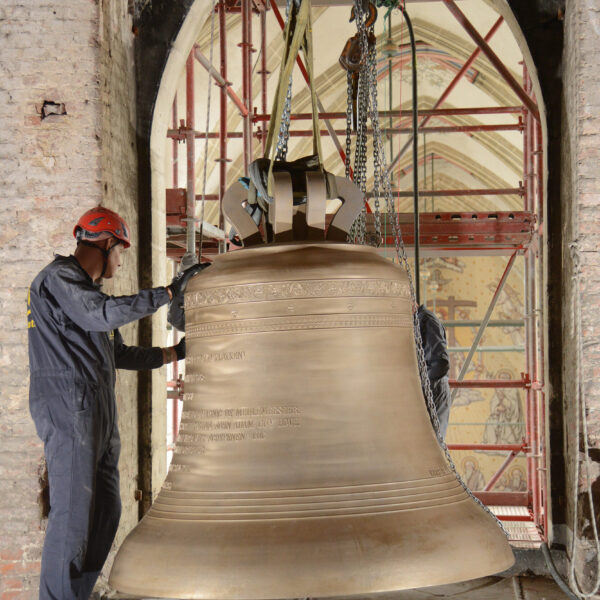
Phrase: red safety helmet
[100,223]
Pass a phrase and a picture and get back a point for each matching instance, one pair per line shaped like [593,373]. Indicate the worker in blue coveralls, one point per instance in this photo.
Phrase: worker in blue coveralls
[435,348]
[74,349]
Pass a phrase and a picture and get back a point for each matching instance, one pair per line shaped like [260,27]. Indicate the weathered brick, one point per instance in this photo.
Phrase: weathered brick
[18,567]
[12,554]
[11,584]
[19,595]
[51,171]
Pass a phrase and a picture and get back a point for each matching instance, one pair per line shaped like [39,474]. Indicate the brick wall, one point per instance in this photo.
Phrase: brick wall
[581,260]
[51,170]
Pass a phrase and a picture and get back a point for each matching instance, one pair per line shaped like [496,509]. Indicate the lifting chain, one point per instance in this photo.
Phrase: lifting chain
[349,113]
[284,128]
[361,68]
[358,229]
[382,179]
[377,163]
[360,154]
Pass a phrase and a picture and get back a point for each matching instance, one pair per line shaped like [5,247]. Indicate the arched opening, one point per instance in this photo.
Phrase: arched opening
[508,169]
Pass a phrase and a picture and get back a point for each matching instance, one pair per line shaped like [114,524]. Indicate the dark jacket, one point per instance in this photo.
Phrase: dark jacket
[435,347]
[71,327]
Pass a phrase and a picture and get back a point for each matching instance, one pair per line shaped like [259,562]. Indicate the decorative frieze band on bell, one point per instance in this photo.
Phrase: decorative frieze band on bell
[348,288]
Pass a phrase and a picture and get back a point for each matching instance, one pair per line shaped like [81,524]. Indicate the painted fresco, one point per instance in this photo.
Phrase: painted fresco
[460,289]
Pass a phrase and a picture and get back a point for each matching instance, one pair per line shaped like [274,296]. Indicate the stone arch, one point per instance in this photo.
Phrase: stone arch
[167,33]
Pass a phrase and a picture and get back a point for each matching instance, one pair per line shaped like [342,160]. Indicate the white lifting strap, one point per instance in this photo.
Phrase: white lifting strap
[237,215]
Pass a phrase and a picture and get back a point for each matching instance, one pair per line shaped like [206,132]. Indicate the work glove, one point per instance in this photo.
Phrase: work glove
[176,313]
[180,349]
[180,281]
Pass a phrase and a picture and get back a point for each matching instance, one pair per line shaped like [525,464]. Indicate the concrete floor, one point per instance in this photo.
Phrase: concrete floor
[486,588]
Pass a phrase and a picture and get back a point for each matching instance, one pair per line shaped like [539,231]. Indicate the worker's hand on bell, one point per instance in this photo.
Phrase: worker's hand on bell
[176,314]
[180,281]
[180,349]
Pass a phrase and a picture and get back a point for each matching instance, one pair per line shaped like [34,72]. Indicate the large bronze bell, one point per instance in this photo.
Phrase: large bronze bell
[306,464]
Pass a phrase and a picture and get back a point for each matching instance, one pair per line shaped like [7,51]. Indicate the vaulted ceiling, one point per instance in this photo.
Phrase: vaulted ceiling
[474,160]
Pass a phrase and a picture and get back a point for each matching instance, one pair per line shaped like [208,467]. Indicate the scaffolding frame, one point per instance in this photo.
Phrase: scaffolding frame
[473,233]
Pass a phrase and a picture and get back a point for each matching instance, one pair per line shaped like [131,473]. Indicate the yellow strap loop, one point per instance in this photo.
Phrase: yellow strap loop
[300,38]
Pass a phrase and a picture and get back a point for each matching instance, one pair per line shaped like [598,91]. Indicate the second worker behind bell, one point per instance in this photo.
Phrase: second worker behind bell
[435,349]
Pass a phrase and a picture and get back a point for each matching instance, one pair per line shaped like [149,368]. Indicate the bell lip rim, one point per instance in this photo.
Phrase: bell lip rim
[501,567]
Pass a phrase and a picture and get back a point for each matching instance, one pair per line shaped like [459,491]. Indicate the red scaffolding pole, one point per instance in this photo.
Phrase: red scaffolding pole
[191,153]
[432,112]
[176,134]
[536,462]
[246,45]
[493,58]
[222,109]
[263,71]
[175,148]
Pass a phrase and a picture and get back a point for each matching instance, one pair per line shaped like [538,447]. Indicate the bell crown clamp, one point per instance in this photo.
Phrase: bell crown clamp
[285,222]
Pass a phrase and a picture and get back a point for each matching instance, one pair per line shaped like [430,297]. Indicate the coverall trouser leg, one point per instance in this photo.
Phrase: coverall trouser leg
[443,403]
[442,399]
[82,452]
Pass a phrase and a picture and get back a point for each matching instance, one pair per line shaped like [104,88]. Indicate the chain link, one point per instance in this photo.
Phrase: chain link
[383,179]
[348,123]
[377,165]
[358,231]
[367,75]
[284,128]
[360,155]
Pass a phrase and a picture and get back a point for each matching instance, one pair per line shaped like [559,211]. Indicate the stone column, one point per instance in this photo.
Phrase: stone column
[581,271]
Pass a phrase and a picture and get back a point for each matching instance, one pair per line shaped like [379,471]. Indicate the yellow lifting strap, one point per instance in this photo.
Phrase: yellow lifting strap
[298,36]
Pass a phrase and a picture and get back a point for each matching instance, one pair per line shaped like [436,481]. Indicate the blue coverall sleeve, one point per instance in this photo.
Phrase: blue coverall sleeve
[136,358]
[93,310]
